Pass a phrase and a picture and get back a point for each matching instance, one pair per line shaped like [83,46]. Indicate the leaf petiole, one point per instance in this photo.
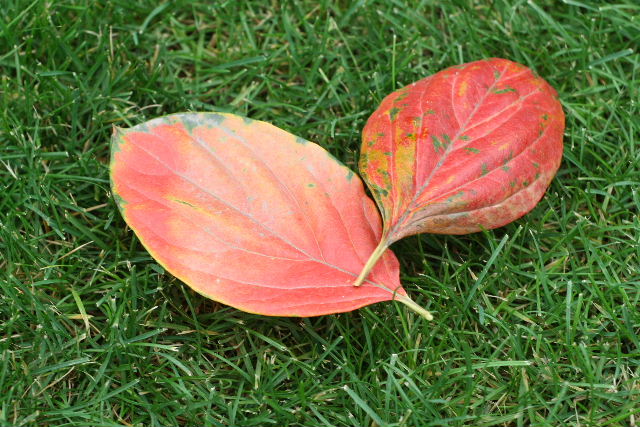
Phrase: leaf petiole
[372,261]
[414,306]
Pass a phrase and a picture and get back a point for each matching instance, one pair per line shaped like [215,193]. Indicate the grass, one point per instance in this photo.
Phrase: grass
[537,323]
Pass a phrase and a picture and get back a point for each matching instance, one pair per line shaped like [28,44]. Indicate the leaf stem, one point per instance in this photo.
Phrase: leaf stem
[372,261]
[415,307]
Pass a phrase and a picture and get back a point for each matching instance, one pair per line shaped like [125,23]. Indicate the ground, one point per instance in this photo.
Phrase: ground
[536,323]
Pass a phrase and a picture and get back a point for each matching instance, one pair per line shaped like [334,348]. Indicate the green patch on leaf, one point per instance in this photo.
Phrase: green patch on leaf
[217,119]
[441,143]
[380,190]
[485,169]
[402,94]
[190,122]
[393,113]
[508,158]
[472,150]
[506,89]
[437,144]
[384,173]
[117,139]
[455,196]
[184,203]
[506,161]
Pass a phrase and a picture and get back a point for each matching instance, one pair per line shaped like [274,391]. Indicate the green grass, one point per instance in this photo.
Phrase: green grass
[537,323]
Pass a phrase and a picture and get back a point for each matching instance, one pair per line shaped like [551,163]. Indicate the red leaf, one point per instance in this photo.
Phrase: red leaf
[251,216]
[472,147]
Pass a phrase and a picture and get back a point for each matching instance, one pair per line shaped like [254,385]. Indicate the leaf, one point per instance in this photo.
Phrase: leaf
[472,147]
[250,215]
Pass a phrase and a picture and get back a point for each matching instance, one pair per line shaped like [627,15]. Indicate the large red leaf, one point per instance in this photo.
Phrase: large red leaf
[251,216]
[472,147]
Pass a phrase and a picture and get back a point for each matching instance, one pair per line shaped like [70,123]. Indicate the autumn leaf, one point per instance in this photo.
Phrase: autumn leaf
[250,215]
[472,147]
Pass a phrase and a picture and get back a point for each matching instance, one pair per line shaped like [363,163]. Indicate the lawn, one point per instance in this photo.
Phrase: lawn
[536,323]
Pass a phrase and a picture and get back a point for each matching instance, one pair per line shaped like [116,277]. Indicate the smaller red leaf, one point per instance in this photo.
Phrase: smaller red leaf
[472,147]
[250,215]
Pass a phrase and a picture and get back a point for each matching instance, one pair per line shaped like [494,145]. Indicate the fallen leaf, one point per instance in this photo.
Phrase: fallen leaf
[472,147]
[250,215]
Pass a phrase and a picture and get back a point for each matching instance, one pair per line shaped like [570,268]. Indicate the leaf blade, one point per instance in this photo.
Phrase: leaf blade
[249,215]
[472,147]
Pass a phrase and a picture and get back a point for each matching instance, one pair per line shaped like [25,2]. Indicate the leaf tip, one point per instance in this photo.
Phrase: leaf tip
[116,131]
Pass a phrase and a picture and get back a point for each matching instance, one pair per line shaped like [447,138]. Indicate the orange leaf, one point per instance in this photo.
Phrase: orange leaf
[472,147]
[250,215]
